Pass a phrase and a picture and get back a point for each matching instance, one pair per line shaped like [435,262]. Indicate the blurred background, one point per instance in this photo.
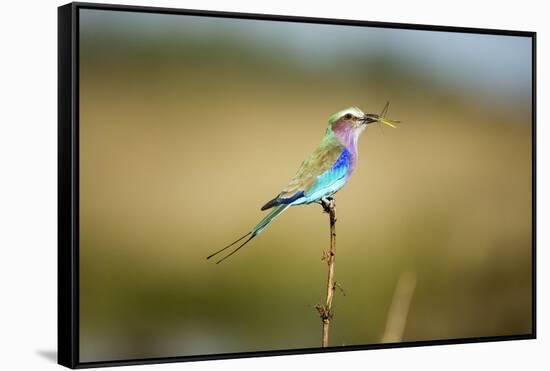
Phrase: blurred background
[188,125]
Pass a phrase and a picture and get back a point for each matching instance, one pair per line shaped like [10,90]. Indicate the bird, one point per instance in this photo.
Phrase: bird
[323,173]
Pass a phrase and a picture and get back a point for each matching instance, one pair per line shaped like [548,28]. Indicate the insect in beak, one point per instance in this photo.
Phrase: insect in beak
[370,118]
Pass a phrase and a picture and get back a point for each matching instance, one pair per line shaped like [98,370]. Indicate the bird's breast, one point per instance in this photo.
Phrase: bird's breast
[346,162]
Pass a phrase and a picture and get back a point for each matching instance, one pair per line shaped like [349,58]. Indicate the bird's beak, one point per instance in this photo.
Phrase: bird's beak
[368,119]
[371,118]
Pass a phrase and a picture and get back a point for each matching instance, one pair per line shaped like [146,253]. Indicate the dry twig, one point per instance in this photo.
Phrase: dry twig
[325,311]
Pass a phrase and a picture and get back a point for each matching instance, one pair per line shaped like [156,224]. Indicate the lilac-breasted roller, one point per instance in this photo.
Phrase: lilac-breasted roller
[323,173]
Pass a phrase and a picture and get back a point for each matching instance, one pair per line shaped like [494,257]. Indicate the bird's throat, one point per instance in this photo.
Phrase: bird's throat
[348,137]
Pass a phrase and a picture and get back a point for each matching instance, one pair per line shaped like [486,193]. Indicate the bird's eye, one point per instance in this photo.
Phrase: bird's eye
[348,116]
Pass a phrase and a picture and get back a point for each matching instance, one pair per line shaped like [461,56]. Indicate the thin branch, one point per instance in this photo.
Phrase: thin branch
[325,311]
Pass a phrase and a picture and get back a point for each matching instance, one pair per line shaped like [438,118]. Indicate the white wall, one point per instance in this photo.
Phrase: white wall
[28,146]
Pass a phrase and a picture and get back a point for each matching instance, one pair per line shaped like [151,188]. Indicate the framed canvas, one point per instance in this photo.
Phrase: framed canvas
[238,185]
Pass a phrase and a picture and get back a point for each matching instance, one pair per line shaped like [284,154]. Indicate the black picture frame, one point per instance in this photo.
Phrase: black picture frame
[68,181]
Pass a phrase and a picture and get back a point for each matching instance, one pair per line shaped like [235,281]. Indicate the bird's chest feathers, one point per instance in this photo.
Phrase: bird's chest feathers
[345,162]
[349,139]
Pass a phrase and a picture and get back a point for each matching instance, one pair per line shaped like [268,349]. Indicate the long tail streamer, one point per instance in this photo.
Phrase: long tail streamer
[253,233]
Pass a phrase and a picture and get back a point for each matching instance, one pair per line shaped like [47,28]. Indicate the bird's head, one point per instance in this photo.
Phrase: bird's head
[348,120]
[354,120]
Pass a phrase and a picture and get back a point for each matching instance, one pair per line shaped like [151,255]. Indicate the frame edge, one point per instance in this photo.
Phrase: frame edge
[68,262]
[300,19]
[67,323]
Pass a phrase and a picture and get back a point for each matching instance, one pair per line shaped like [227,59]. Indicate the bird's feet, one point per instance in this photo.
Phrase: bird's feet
[327,203]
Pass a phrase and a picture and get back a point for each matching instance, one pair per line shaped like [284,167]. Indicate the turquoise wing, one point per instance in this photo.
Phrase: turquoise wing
[331,181]
[321,160]
[321,174]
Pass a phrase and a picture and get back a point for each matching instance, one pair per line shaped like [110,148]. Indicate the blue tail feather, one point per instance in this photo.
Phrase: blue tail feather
[253,233]
[269,218]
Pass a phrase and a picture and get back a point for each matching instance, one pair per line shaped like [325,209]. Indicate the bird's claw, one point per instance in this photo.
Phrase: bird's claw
[327,203]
